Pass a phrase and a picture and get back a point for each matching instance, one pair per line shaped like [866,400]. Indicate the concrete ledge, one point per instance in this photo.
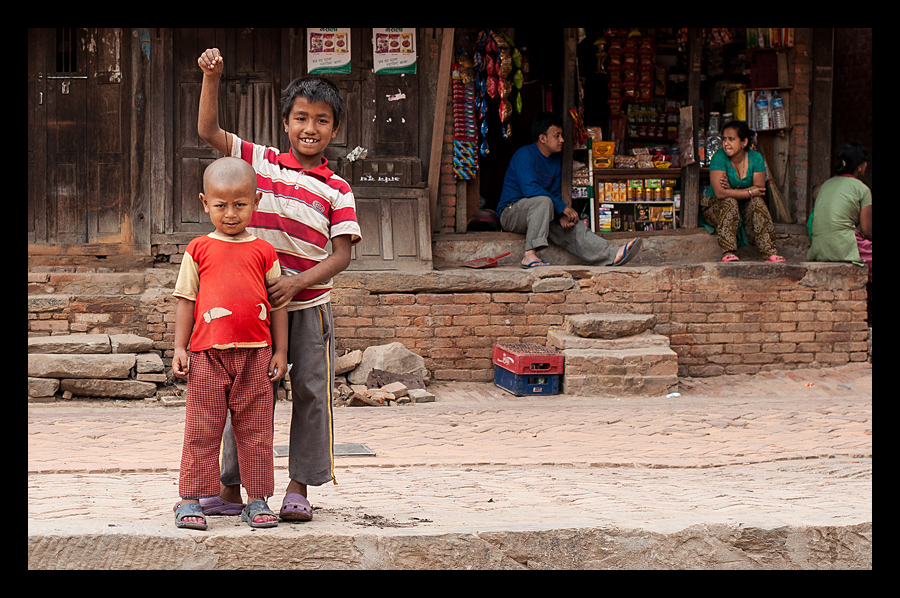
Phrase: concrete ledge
[715,546]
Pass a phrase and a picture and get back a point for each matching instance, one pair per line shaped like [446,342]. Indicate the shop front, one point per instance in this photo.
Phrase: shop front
[642,110]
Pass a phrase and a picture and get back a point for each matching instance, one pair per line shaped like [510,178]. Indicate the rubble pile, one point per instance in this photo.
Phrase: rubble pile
[380,376]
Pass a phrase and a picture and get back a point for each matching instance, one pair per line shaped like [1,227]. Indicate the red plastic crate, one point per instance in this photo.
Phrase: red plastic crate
[527,358]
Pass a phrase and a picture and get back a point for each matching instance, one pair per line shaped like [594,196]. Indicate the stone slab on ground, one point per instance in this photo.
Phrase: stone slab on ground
[772,471]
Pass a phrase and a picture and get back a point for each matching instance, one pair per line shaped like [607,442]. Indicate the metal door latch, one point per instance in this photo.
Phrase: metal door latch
[66,82]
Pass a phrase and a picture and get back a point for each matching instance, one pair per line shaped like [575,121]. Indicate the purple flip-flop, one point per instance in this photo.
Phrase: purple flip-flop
[295,507]
[216,505]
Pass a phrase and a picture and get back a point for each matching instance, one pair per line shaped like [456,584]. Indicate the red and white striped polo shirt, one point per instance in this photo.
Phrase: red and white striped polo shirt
[299,212]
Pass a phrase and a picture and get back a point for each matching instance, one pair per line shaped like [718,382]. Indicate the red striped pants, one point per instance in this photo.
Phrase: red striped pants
[235,380]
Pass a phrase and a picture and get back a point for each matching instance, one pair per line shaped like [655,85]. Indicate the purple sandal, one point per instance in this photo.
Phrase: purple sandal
[295,507]
[216,505]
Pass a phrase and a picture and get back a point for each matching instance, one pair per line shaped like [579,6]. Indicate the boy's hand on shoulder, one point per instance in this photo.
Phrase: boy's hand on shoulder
[282,289]
[211,62]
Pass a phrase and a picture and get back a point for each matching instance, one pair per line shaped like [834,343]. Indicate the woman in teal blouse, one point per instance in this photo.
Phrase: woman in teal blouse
[737,177]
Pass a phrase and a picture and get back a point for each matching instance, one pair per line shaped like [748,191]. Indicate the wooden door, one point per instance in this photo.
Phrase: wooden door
[79,159]
[382,115]
[249,105]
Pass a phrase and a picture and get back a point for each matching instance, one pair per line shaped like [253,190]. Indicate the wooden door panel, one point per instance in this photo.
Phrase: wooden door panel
[79,119]
[391,220]
[248,100]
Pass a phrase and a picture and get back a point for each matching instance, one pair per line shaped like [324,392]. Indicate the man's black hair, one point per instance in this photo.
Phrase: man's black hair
[544,121]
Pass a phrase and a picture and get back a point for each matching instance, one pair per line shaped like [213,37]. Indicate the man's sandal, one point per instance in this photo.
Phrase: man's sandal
[190,509]
[254,510]
[630,251]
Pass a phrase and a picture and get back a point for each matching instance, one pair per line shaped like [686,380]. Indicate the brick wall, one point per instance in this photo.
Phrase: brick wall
[720,318]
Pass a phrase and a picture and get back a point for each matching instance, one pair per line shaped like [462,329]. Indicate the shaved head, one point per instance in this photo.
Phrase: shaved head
[229,172]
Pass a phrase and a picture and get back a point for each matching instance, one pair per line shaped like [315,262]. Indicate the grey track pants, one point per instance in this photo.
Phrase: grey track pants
[536,218]
[311,353]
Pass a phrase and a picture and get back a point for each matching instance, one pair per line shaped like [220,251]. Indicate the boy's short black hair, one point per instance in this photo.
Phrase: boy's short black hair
[314,89]
[542,123]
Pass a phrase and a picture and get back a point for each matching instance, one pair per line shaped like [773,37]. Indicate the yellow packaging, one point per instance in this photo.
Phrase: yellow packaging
[609,192]
[604,148]
[736,103]
[604,161]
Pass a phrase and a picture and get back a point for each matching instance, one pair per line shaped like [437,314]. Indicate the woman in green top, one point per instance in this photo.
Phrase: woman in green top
[841,228]
[737,177]
[844,203]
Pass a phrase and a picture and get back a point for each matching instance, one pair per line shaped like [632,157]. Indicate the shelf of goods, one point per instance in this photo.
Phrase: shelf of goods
[634,199]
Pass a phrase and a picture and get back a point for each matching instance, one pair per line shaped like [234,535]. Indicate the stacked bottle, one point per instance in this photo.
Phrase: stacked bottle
[762,111]
[778,117]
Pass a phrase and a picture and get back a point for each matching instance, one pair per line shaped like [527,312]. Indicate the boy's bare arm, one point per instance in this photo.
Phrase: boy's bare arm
[184,325]
[278,326]
[285,287]
[212,64]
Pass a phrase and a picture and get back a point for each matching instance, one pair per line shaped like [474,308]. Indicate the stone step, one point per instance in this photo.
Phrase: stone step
[646,371]
[564,341]
[90,343]
[609,326]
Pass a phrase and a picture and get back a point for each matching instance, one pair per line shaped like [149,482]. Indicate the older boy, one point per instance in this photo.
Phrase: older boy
[238,347]
[304,205]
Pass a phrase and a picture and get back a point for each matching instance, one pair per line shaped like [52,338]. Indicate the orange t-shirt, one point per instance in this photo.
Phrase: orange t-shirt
[225,278]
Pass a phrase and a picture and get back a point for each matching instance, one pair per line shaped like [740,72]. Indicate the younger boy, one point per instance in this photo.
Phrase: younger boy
[238,347]
[304,206]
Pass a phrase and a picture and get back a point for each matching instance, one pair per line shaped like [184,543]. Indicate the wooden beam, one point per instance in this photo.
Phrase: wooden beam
[437,130]
[569,101]
[820,114]
[690,175]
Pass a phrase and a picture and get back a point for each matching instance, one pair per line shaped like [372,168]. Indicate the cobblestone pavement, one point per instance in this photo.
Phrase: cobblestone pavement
[769,450]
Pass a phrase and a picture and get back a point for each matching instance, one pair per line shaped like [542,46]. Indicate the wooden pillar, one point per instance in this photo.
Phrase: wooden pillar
[690,175]
[820,125]
[569,84]
[437,128]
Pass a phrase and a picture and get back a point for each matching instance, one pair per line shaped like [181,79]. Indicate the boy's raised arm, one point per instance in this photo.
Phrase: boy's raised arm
[212,64]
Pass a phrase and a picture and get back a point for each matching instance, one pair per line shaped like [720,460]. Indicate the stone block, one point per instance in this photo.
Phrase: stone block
[345,363]
[70,343]
[116,389]
[129,343]
[564,340]
[42,387]
[609,326]
[40,303]
[148,363]
[393,357]
[80,366]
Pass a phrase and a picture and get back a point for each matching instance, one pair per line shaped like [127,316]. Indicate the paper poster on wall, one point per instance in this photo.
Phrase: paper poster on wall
[328,51]
[394,51]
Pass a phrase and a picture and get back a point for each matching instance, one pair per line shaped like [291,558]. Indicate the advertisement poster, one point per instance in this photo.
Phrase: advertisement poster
[328,51]
[394,51]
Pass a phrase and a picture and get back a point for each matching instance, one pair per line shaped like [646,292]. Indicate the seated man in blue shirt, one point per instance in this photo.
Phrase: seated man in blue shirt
[531,203]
